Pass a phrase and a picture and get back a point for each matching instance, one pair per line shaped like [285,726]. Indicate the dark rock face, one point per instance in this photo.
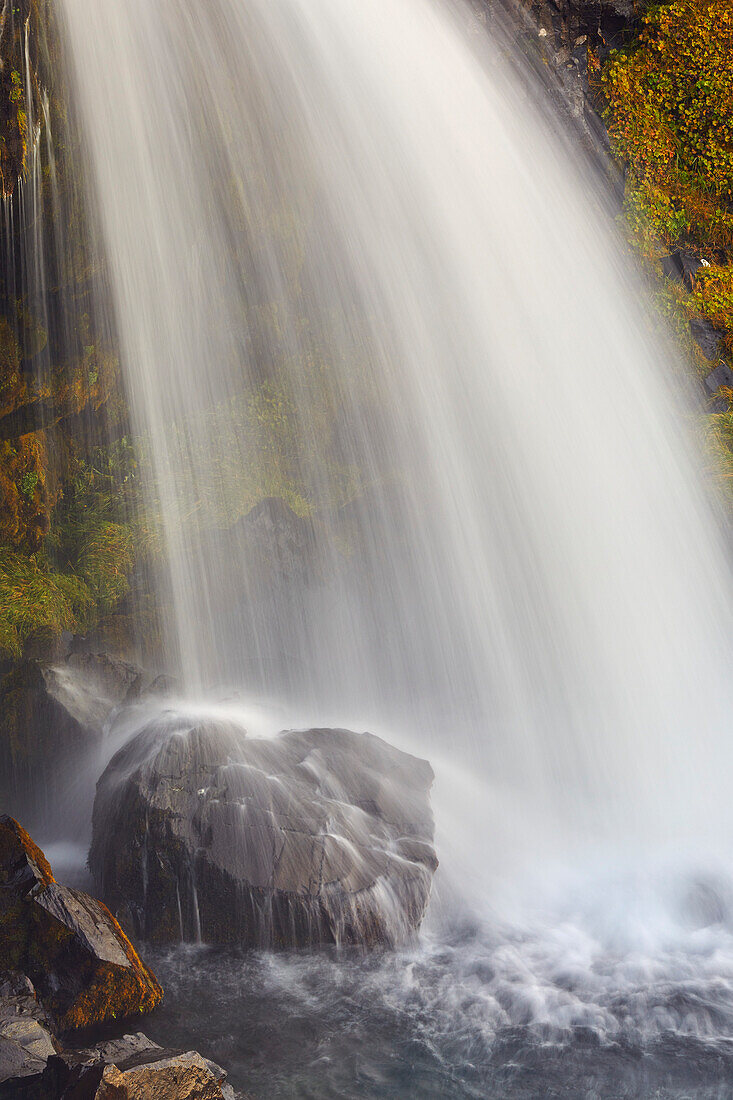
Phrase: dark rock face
[317,836]
[51,717]
[84,969]
[283,543]
[599,20]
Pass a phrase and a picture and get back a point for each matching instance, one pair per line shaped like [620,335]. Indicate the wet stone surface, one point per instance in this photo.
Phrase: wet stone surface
[312,837]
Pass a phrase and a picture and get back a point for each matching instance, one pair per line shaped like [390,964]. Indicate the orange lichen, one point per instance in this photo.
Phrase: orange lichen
[10,833]
[44,947]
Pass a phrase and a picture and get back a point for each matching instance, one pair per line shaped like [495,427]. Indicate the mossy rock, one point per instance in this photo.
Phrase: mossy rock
[82,965]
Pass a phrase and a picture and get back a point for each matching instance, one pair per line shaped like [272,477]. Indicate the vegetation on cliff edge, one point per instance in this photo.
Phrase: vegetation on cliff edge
[670,119]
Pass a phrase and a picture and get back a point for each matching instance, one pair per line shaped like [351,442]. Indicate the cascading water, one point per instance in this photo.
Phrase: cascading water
[354,272]
[351,268]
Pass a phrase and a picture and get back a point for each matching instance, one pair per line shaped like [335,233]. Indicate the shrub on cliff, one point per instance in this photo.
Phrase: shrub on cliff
[670,117]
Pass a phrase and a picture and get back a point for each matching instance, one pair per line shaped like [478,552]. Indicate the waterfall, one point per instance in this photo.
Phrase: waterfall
[422,455]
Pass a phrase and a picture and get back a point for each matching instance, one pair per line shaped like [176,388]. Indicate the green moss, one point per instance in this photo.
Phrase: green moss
[670,117]
[105,559]
[713,296]
[28,483]
[34,599]
[669,99]
[81,573]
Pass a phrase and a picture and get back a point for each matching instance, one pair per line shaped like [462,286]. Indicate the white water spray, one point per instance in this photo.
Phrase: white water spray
[353,270]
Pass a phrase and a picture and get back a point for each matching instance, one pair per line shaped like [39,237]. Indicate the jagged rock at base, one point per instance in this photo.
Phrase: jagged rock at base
[84,969]
[51,717]
[25,1037]
[134,1068]
[33,1066]
[310,837]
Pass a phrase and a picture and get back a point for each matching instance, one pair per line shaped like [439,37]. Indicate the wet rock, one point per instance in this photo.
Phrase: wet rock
[280,548]
[34,1067]
[165,1076]
[315,836]
[707,902]
[51,717]
[720,378]
[160,686]
[136,1068]
[283,542]
[683,266]
[25,1038]
[672,266]
[706,336]
[84,969]
[601,21]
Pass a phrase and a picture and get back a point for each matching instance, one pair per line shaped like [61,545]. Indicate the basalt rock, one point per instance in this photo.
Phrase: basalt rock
[316,836]
[51,718]
[84,969]
[600,21]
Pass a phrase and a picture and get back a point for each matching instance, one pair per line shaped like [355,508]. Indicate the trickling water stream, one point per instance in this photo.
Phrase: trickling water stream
[354,271]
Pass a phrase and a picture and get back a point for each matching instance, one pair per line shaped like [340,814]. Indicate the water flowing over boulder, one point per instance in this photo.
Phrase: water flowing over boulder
[82,965]
[310,837]
[51,718]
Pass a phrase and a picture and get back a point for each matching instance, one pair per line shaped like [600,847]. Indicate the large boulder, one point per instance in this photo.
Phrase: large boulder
[51,718]
[315,836]
[82,965]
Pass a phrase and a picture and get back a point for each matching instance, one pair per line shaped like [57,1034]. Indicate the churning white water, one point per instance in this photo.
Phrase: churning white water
[354,271]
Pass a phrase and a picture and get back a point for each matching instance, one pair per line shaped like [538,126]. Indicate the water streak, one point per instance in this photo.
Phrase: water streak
[355,272]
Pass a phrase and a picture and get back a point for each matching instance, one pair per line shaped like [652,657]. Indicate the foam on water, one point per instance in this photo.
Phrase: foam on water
[540,1009]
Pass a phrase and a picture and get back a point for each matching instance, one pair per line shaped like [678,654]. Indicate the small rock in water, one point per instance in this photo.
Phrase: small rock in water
[312,837]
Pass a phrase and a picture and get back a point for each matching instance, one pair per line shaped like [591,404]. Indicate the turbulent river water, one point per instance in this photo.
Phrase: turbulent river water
[608,981]
[354,268]
[529,1013]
